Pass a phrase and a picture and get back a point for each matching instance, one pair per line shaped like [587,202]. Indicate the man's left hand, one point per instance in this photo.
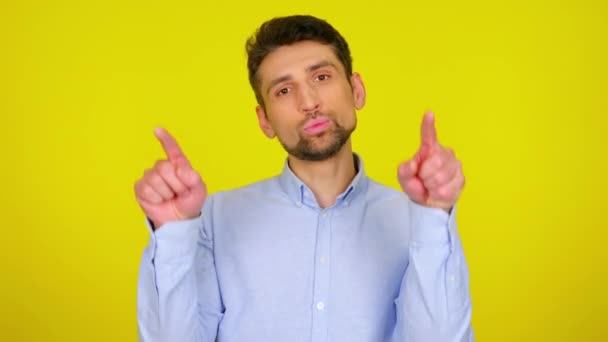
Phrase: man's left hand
[433,177]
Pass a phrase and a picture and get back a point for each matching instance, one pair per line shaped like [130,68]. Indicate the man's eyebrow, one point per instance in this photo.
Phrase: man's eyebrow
[311,68]
[320,65]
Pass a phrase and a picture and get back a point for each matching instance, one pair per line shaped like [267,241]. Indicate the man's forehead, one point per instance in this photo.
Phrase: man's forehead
[295,58]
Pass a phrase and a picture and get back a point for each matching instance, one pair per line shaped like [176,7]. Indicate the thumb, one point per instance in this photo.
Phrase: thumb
[423,154]
[410,183]
[188,176]
[408,169]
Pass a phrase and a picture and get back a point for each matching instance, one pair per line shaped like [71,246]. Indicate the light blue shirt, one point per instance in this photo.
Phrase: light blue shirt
[266,263]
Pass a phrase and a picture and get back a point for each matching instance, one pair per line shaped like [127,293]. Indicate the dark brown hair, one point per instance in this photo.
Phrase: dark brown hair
[282,31]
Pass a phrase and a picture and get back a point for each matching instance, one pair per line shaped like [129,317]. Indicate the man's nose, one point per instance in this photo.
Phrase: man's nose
[309,100]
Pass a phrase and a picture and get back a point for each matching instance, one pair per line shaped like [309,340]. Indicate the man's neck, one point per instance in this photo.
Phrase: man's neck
[328,178]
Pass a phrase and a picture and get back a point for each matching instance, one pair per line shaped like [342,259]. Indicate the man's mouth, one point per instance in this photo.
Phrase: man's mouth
[316,126]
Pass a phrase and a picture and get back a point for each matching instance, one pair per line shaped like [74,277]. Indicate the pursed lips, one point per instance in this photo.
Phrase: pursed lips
[316,125]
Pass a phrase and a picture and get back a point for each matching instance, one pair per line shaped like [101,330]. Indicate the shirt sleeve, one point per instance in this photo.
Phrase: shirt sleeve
[178,297]
[434,303]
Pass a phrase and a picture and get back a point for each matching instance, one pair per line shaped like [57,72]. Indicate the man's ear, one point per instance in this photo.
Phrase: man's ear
[358,90]
[264,123]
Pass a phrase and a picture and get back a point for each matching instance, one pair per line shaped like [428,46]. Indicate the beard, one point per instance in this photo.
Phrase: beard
[320,146]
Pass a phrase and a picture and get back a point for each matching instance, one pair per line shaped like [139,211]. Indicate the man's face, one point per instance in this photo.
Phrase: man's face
[309,103]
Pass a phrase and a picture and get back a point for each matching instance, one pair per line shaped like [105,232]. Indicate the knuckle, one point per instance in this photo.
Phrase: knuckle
[157,182]
[443,193]
[152,195]
[146,192]
[410,187]
[161,164]
[437,161]
[153,178]
[197,176]
[165,167]
[139,183]
[458,164]
[137,186]
[192,174]
[431,182]
[438,179]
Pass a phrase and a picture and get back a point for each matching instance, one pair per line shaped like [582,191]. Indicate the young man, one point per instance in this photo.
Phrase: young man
[320,252]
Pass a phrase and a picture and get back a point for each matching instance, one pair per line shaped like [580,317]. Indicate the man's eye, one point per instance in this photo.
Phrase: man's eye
[283,91]
[323,77]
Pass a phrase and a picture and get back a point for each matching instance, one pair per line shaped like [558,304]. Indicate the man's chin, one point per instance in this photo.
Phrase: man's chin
[316,153]
[319,147]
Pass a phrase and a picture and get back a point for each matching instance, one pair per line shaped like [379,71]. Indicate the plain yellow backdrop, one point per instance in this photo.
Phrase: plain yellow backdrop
[520,90]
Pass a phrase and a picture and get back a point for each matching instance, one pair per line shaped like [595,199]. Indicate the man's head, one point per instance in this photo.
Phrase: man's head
[300,70]
[283,31]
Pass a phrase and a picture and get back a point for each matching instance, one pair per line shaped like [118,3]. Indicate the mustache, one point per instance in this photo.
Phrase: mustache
[314,115]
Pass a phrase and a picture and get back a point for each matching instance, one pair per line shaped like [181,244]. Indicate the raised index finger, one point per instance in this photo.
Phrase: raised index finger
[428,134]
[172,149]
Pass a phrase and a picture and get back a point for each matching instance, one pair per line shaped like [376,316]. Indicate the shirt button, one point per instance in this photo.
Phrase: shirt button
[323,259]
[451,278]
[320,306]
[324,215]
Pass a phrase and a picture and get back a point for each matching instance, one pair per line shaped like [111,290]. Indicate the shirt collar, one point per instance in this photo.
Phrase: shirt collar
[300,194]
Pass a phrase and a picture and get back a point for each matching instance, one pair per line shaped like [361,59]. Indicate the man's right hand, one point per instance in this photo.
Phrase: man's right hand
[171,190]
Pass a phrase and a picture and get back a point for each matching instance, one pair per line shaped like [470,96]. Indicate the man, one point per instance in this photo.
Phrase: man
[320,252]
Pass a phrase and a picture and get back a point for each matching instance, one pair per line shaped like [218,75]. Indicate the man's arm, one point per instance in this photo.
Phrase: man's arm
[434,303]
[178,295]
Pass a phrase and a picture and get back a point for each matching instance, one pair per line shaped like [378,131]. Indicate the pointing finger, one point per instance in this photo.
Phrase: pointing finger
[172,149]
[428,134]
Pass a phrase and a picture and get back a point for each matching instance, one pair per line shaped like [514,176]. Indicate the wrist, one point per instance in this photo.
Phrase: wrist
[156,224]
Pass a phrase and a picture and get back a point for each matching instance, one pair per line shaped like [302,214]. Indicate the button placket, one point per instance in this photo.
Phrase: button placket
[322,276]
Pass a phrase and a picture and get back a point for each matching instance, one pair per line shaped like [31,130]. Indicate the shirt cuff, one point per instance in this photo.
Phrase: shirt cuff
[431,225]
[174,240]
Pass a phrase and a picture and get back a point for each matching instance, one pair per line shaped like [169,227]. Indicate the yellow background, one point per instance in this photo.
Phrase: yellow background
[520,91]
